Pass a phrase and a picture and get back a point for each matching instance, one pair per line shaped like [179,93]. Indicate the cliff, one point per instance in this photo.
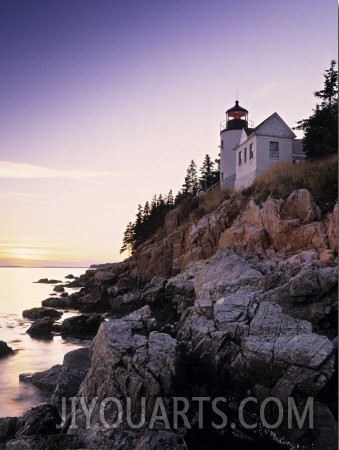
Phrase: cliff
[275,226]
[241,305]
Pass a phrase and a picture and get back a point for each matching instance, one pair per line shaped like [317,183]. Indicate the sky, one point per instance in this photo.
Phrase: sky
[104,103]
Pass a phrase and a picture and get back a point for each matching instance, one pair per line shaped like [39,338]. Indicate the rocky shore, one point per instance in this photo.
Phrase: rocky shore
[240,305]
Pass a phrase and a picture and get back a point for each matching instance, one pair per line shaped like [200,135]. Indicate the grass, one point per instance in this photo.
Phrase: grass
[319,177]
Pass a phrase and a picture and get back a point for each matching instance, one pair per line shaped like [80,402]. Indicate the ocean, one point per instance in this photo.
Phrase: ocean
[17,293]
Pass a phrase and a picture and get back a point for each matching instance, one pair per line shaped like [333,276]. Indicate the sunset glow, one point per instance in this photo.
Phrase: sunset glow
[104,104]
[26,253]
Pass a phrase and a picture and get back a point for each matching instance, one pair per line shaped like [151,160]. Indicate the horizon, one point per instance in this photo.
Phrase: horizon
[103,106]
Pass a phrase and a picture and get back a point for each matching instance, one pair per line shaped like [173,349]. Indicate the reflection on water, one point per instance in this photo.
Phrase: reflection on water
[18,292]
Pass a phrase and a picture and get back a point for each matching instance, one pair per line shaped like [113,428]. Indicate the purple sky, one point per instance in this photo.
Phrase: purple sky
[112,99]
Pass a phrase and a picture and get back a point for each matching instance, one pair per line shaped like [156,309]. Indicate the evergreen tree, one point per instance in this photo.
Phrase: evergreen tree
[146,211]
[190,185]
[329,94]
[206,171]
[128,239]
[321,128]
[170,199]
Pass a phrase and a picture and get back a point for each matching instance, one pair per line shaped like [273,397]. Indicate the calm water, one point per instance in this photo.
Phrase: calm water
[18,292]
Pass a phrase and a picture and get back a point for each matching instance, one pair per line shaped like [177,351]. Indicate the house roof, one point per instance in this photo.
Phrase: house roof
[273,116]
[260,129]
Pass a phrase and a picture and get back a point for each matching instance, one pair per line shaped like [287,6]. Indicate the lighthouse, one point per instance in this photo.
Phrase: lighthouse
[230,132]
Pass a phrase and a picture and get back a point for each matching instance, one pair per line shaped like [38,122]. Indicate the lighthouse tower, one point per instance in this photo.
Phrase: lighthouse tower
[230,132]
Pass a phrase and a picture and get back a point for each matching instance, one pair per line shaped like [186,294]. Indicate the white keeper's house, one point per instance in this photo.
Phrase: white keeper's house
[246,152]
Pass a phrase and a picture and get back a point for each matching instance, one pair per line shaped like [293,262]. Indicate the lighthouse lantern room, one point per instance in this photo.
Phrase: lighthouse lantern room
[236,117]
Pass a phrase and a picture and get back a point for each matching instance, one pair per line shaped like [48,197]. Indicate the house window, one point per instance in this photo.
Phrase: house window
[222,145]
[274,149]
[251,151]
[222,175]
[239,158]
[245,154]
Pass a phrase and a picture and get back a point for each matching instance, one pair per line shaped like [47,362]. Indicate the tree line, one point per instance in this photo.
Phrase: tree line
[151,216]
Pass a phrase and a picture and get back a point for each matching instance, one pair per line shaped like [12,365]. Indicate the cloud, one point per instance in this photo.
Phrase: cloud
[31,171]
[25,197]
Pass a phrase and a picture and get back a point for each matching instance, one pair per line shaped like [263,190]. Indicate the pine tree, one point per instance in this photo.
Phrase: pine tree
[321,128]
[206,179]
[329,94]
[170,199]
[190,185]
[128,239]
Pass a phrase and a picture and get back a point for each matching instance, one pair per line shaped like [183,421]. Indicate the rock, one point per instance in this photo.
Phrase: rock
[74,368]
[327,257]
[62,380]
[325,428]
[153,290]
[47,281]
[84,325]
[46,380]
[160,438]
[59,288]
[41,327]
[70,276]
[5,349]
[301,205]
[332,226]
[105,277]
[283,226]
[93,301]
[38,313]
[236,333]
[180,289]
[233,308]
[70,301]
[8,427]
[312,282]
[41,419]
[44,442]
[127,360]
[225,273]
[124,303]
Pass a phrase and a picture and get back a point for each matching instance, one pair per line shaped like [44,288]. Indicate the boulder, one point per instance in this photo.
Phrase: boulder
[332,226]
[224,273]
[127,360]
[38,313]
[46,380]
[8,427]
[69,301]
[42,419]
[74,368]
[153,290]
[47,281]
[84,325]
[125,303]
[59,288]
[5,349]
[301,205]
[62,380]
[41,327]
